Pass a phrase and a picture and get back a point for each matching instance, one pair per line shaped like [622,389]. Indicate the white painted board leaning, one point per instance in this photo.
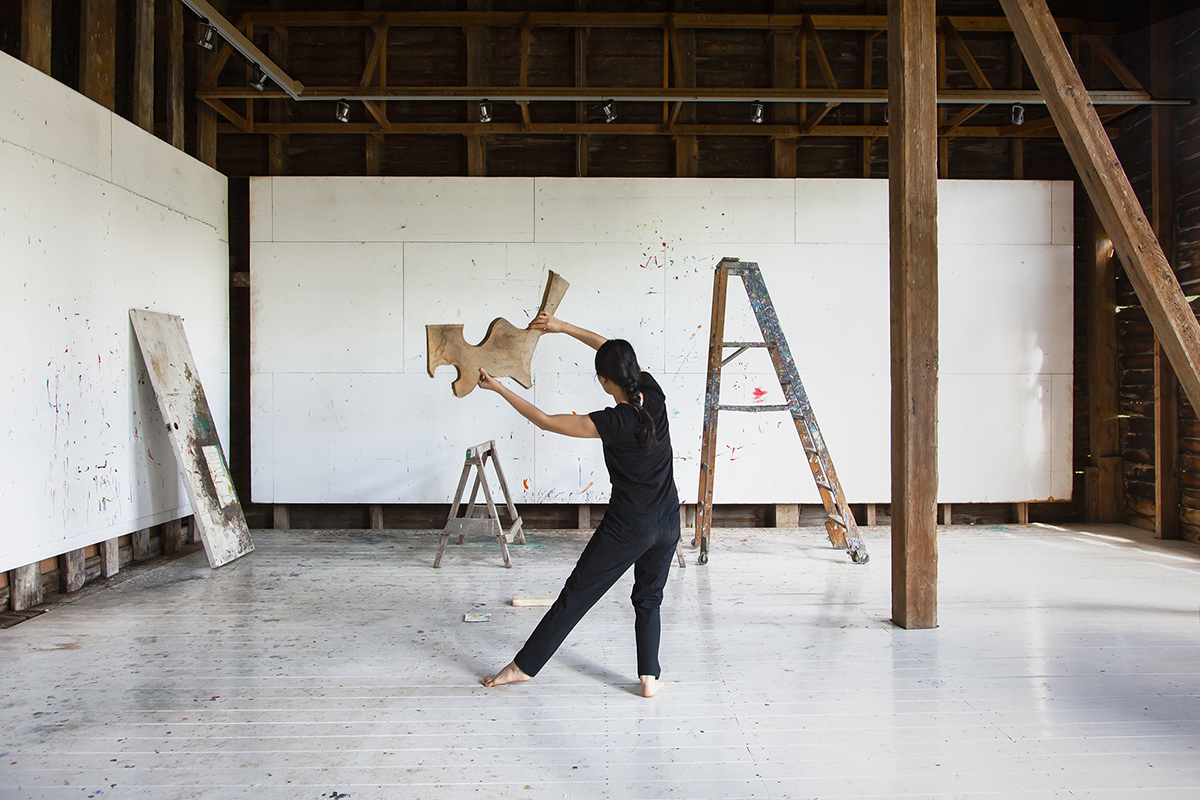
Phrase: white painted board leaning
[193,435]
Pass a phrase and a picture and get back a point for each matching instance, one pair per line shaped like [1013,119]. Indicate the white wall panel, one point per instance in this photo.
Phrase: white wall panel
[87,458]
[317,301]
[662,213]
[639,255]
[44,117]
[402,210]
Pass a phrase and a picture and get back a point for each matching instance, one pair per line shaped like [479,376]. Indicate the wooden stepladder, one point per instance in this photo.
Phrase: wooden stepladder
[840,524]
[481,520]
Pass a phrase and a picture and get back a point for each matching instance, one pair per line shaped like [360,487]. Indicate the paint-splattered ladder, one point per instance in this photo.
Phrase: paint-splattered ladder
[840,524]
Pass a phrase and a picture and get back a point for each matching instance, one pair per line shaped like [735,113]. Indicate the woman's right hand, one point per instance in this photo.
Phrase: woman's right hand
[546,322]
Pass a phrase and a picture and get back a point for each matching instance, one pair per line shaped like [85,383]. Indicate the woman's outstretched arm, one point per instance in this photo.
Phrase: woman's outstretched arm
[552,324]
[578,425]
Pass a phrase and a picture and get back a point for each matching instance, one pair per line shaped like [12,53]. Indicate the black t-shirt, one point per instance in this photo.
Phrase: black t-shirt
[642,479]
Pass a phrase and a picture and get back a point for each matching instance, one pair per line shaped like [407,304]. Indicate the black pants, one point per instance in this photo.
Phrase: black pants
[624,538]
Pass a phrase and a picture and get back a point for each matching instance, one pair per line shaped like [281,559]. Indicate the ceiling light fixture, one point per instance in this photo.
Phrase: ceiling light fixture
[756,113]
[206,34]
[259,81]
[609,109]
[343,111]
[1018,114]
[485,111]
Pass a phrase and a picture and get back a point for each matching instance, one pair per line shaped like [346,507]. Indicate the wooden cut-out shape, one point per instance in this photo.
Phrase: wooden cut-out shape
[505,352]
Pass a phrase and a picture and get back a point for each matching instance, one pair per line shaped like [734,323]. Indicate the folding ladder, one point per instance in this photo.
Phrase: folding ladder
[840,524]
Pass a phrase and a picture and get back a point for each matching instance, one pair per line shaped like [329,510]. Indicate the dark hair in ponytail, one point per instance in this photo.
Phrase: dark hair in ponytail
[616,361]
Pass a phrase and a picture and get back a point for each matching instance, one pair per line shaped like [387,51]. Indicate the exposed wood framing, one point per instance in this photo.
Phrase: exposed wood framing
[683,41]
[143,65]
[376,513]
[476,70]
[140,540]
[97,51]
[110,557]
[1016,80]
[912,177]
[1103,475]
[36,19]
[278,110]
[1117,205]
[25,587]
[72,571]
[175,89]
[172,536]
[1162,218]
[581,139]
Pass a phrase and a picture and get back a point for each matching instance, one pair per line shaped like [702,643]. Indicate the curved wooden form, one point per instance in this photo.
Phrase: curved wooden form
[505,352]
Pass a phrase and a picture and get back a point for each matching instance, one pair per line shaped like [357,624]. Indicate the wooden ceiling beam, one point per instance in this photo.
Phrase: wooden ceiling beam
[570,19]
[618,128]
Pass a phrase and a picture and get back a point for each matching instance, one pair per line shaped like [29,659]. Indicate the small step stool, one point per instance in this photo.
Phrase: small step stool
[481,520]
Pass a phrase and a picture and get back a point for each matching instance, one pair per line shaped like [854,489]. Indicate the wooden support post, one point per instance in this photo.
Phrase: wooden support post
[787,515]
[585,516]
[372,153]
[141,544]
[1118,207]
[912,182]
[25,586]
[281,518]
[97,51]
[36,23]
[1021,513]
[110,558]
[1016,80]
[476,76]
[175,87]
[1103,480]
[687,148]
[172,536]
[947,514]
[143,65]
[376,517]
[71,571]
[1162,218]
[872,515]
[581,140]
[783,50]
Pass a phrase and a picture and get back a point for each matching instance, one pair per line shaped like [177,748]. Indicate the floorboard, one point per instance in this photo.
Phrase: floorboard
[337,664]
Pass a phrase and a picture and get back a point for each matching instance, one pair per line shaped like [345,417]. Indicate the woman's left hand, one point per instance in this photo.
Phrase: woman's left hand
[487,381]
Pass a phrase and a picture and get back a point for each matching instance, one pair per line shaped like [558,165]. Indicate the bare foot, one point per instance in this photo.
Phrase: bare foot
[510,674]
[650,685]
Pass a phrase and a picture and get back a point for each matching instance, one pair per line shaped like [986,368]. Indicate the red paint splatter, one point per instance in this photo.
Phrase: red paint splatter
[525,483]
[732,452]
[759,394]
[584,489]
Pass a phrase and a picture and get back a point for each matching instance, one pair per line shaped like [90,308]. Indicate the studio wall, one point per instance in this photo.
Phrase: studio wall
[347,272]
[97,216]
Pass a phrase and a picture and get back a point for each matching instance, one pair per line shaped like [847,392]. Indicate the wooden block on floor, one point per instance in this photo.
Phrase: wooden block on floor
[872,515]
[141,544]
[528,600]
[787,515]
[72,570]
[110,558]
[585,516]
[281,519]
[172,533]
[25,586]
[376,518]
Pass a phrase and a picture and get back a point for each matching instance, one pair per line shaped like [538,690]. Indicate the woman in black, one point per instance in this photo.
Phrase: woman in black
[640,527]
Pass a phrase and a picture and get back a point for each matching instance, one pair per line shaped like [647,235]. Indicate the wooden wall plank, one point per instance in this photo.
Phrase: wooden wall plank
[36,26]
[687,147]
[912,177]
[1100,171]
[172,536]
[97,47]
[1162,217]
[1103,493]
[143,65]
[783,52]
[175,89]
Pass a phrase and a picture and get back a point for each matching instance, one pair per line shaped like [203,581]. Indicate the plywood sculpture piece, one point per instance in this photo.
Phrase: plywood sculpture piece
[505,352]
[193,435]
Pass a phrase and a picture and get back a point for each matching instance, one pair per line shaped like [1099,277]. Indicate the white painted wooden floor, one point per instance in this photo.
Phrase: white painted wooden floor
[338,665]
